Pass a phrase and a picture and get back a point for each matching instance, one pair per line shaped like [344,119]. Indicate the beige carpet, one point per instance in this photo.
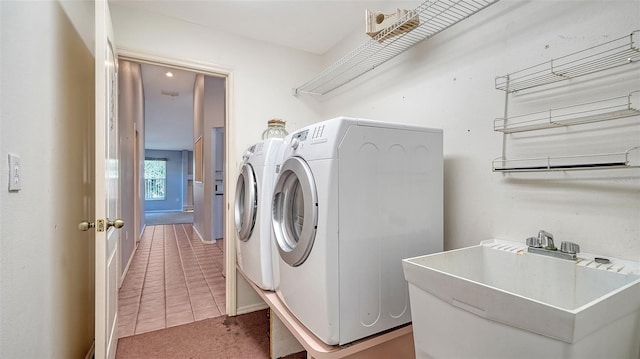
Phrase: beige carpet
[243,336]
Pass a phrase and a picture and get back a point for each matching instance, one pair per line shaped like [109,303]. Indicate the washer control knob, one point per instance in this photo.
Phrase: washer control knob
[295,143]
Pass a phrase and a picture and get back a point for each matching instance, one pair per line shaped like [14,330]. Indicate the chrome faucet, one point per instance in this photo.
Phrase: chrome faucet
[543,244]
[543,240]
[546,239]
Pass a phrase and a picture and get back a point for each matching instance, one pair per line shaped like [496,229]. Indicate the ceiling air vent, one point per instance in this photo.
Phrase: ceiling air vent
[170,93]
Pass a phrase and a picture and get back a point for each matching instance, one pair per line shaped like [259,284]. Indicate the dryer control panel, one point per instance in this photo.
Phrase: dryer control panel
[301,136]
[248,153]
[313,142]
[298,138]
[318,132]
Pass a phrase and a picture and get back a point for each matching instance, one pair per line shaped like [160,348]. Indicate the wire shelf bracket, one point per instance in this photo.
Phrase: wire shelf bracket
[611,54]
[614,53]
[434,16]
[569,163]
[595,111]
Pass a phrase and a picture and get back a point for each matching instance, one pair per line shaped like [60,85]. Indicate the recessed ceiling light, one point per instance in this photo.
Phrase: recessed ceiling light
[169,74]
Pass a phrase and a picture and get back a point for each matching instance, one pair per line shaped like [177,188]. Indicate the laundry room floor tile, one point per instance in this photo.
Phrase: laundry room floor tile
[173,279]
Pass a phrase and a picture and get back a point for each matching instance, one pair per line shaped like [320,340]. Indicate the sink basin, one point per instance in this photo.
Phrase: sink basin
[496,300]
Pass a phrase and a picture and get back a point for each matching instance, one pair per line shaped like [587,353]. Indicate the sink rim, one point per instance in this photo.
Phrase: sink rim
[561,323]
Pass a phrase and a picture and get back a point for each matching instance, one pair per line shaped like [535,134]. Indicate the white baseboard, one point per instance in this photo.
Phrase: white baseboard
[126,269]
[200,236]
[92,351]
[251,308]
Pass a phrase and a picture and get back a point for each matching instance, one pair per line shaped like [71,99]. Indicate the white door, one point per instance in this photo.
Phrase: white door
[246,206]
[107,202]
[295,211]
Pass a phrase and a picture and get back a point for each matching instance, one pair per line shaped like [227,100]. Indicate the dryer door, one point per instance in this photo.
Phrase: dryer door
[246,202]
[295,211]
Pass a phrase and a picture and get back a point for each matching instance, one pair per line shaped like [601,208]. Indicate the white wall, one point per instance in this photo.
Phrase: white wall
[211,99]
[198,184]
[46,264]
[214,114]
[264,74]
[130,119]
[448,82]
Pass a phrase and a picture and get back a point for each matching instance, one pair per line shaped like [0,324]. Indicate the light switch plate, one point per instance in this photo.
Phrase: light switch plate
[15,172]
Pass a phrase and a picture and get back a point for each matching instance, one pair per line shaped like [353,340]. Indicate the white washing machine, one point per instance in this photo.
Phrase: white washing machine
[354,197]
[254,190]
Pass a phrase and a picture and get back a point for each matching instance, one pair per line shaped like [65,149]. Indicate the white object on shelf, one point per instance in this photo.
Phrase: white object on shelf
[376,22]
[434,16]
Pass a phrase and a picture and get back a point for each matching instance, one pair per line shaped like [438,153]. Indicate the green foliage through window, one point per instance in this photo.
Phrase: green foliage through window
[155,179]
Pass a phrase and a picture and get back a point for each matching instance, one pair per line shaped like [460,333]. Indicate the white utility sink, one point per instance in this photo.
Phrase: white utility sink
[495,300]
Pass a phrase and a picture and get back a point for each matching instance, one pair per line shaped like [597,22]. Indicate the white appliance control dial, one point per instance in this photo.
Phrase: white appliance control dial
[295,143]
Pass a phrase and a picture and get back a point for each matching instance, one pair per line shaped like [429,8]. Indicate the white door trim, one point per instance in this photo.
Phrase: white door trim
[230,174]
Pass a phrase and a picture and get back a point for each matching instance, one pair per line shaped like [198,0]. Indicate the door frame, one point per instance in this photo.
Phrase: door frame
[229,149]
[213,173]
[136,188]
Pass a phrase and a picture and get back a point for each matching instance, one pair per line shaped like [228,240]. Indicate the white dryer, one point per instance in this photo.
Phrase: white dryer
[254,190]
[354,197]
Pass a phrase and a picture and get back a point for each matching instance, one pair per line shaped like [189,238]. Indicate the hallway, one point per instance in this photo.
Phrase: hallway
[174,279]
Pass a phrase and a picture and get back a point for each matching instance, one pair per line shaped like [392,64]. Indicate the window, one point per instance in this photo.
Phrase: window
[155,179]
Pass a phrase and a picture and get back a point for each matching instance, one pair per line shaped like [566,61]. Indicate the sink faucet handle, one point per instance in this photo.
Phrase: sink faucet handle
[534,242]
[569,247]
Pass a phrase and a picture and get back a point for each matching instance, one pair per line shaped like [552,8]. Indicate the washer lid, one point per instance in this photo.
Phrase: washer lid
[295,211]
[246,203]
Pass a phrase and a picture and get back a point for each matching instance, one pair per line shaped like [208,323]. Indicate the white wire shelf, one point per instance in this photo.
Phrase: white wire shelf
[589,112]
[434,16]
[568,163]
[614,53]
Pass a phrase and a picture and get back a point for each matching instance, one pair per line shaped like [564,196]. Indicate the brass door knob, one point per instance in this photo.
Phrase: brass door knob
[102,225]
[118,223]
[86,225]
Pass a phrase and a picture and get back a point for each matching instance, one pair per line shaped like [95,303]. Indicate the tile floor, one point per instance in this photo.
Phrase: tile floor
[173,279]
